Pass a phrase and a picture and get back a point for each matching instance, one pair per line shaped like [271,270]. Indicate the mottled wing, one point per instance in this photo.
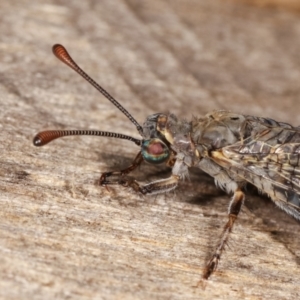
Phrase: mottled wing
[269,159]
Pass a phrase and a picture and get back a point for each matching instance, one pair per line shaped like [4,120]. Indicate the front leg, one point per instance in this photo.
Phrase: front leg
[119,174]
[234,209]
[155,187]
[179,171]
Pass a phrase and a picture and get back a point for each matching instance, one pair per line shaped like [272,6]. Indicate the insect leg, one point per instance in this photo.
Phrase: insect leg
[104,181]
[233,211]
[155,187]
[179,171]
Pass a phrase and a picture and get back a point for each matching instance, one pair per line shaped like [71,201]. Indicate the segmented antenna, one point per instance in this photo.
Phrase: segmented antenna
[45,137]
[62,54]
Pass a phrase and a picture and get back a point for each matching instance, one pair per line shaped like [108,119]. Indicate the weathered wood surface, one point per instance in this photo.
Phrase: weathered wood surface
[64,237]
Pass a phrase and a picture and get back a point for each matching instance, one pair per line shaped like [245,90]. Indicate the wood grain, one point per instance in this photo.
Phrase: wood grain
[61,235]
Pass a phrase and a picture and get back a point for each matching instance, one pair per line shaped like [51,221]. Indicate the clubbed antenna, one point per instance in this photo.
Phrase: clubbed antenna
[45,137]
[62,54]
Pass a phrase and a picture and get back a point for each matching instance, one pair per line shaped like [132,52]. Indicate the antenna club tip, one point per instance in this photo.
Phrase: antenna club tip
[58,49]
[55,46]
[42,138]
[37,141]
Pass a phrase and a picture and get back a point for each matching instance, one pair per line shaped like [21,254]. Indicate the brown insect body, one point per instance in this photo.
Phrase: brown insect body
[234,149]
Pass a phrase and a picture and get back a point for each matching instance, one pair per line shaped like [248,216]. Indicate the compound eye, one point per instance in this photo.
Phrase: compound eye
[154,151]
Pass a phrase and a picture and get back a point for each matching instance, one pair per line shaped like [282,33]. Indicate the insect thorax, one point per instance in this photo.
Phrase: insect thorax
[213,131]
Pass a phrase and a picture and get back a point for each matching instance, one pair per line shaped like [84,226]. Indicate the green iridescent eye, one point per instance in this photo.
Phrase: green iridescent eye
[154,151]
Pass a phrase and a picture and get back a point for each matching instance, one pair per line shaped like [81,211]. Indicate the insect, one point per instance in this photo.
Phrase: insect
[235,149]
